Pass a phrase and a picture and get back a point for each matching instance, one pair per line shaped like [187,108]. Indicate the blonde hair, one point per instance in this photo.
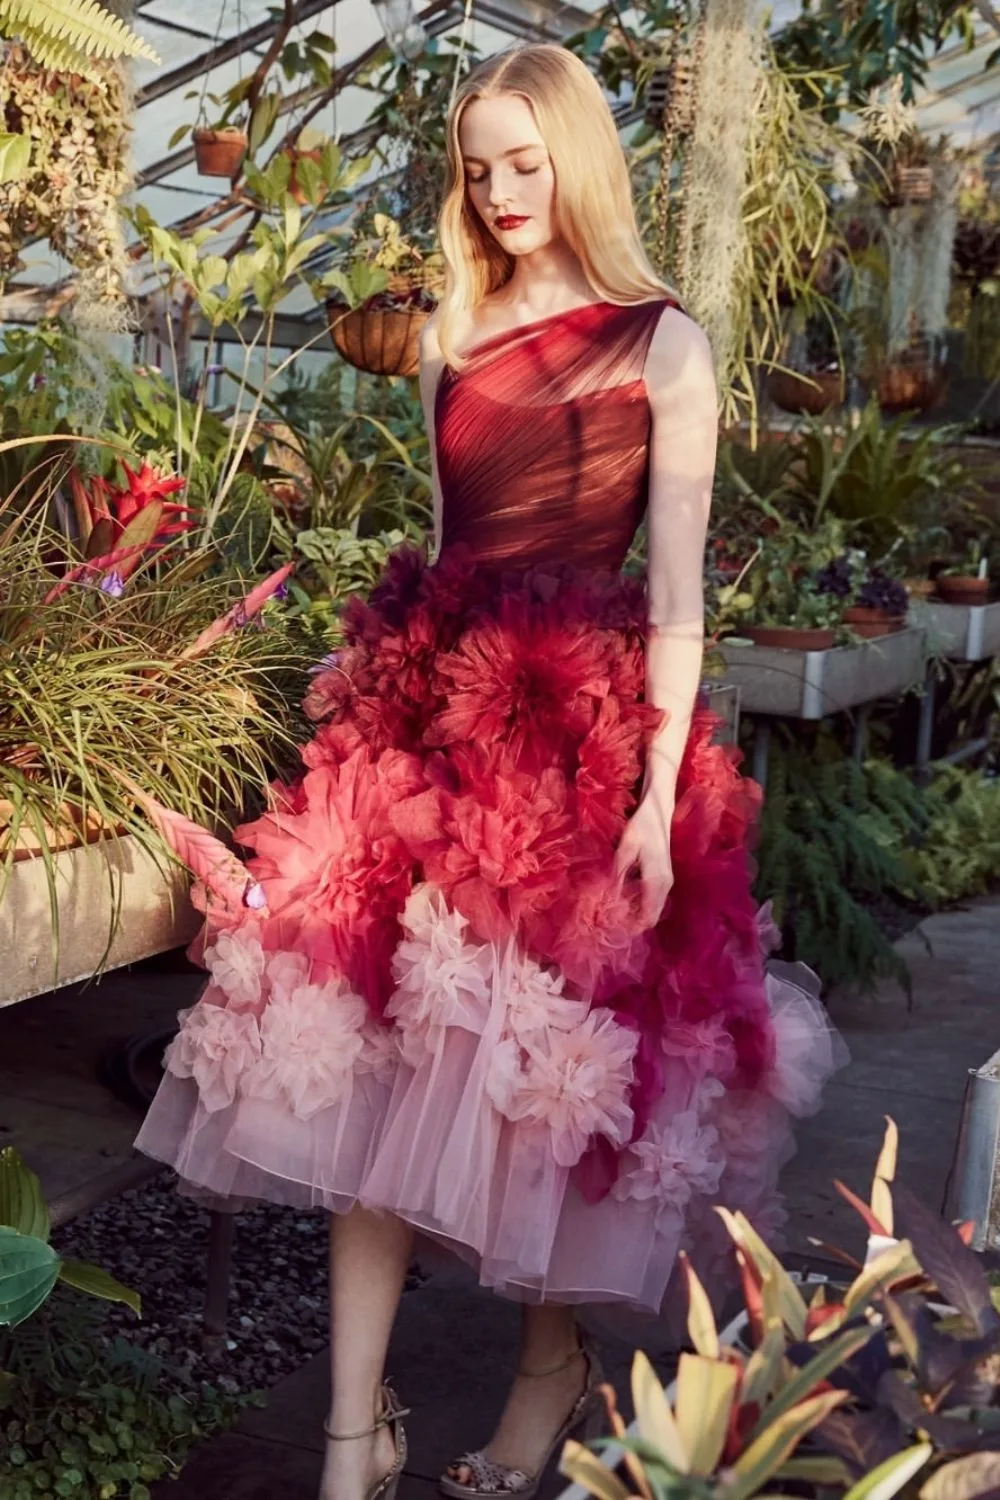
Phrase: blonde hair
[593,195]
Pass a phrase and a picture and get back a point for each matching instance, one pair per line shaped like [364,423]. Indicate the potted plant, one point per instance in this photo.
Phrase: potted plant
[220,146]
[807,392]
[966,581]
[879,607]
[377,313]
[786,600]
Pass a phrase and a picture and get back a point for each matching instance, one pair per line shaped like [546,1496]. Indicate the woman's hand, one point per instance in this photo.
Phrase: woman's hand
[646,842]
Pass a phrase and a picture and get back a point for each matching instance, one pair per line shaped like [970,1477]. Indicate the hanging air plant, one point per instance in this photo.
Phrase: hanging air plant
[77,173]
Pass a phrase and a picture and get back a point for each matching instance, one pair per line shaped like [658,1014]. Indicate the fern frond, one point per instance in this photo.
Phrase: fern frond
[66,34]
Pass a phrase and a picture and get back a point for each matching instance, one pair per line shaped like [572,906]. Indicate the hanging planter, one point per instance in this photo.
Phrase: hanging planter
[804,393]
[383,336]
[220,153]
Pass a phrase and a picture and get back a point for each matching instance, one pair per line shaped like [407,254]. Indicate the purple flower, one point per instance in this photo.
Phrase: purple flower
[255,897]
[328,662]
[113,584]
[281,592]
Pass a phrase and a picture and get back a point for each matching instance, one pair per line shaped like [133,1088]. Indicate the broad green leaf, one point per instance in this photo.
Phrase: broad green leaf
[585,1468]
[28,1272]
[653,1415]
[889,1477]
[763,1368]
[97,1283]
[793,1308]
[766,1454]
[832,1354]
[22,1205]
[214,269]
[706,1389]
[15,156]
[701,1319]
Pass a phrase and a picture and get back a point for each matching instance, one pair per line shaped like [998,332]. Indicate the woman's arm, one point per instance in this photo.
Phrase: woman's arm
[431,366]
[684,403]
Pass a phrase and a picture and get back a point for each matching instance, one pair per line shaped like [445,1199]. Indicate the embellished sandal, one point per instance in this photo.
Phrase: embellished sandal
[390,1416]
[586,1421]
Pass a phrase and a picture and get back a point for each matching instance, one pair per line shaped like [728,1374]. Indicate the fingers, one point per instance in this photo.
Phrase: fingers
[626,855]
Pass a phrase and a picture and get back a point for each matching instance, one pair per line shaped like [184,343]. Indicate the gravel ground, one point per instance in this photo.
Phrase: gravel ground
[156,1242]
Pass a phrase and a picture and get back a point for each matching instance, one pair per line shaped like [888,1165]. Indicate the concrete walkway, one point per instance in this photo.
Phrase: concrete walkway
[454,1347]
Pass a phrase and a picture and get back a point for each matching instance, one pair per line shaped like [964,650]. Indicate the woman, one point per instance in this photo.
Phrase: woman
[508,989]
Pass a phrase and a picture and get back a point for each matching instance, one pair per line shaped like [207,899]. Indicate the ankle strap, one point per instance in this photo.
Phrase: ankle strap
[579,1352]
[390,1413]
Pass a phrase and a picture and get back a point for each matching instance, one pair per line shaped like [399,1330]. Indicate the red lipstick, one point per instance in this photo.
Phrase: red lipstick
[511,221]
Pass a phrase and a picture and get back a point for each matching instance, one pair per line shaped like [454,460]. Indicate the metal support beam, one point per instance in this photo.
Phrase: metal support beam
[243,41]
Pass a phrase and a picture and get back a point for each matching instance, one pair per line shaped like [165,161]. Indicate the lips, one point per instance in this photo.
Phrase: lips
[511,221]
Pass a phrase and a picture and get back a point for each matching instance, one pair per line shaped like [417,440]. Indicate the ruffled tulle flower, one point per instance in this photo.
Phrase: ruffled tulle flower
[311,1040]
[574,1083]
[335,873]
[441,979]
[497,852]
[535,1001]
[218,1047]
[235,961]
[525,681]
[671,1164]
[608,769]
[285,973]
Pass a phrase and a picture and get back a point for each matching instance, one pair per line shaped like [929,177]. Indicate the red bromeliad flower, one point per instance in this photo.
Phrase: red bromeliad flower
[113,507]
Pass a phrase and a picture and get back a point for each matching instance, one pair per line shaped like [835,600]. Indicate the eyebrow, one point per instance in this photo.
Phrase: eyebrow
[515,151]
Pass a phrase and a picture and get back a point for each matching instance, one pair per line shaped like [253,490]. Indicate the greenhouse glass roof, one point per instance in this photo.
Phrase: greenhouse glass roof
[206,45]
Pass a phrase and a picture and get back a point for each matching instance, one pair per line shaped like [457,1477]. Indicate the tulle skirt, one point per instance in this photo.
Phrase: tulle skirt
[446,1006]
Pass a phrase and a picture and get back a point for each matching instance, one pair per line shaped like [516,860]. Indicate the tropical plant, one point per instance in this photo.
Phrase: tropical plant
[29,1267]
[958,854]
[786,583]
[108,641]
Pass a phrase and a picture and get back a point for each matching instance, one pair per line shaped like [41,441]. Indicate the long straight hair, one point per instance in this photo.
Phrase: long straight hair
[594,211]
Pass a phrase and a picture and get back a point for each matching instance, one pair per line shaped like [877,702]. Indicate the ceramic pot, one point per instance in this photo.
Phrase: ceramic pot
[871,623]
[810,394]
[963,590]
[220,153]
[790,637]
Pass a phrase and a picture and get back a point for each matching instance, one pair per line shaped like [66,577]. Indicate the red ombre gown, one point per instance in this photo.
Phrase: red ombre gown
[449,1009]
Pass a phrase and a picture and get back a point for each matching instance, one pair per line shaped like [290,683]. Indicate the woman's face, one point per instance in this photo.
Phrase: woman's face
[508,172]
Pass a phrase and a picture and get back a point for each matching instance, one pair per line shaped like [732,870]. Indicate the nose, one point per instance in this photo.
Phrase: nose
[499,188]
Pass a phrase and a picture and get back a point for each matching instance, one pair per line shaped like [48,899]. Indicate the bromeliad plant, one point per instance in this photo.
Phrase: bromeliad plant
[139,683]
[893,1376]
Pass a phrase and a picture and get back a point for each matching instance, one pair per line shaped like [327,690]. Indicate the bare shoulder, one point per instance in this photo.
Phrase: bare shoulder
[679,362]
[430,344]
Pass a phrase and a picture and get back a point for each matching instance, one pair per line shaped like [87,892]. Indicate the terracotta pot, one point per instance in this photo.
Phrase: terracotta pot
[381,340]
[220,153]
[912,184]
[790,637]
[70,833]
[810,393]
[871,623]
[909,387]
[963,590]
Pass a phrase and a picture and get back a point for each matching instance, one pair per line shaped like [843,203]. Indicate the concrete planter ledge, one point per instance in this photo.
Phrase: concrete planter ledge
[962,632]
[92,882]
[812,684]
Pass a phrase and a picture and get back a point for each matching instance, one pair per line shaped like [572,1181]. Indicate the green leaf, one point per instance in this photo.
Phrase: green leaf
[178,136]
[706,1389]
[29,1269]
[833,1354]
[22,1205]
[97,1283]
[585,1469]
[214,269]
[15,156]
[889,1477]
[767,1453]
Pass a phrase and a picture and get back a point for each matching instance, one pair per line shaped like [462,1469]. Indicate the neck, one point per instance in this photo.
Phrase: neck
[548,280]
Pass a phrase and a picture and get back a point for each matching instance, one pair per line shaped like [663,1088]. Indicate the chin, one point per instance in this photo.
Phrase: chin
[523,241]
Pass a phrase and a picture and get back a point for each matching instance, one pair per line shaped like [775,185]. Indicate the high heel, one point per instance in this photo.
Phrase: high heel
[390,1416]
[586,1421]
